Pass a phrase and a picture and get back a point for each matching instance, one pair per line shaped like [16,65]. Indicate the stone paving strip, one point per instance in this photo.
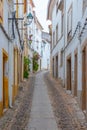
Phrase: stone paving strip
[41,116]
[17,117]
[67,112]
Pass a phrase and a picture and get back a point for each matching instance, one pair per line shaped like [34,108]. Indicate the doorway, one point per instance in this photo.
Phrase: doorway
[56,66]
[5,80]
[53,67]
[75,75]
[84,79]
[69,79]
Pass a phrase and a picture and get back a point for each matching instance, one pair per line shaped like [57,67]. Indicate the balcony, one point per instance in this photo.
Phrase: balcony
[61,5]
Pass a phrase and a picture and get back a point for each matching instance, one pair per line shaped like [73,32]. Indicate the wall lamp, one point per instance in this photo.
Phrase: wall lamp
[29,19]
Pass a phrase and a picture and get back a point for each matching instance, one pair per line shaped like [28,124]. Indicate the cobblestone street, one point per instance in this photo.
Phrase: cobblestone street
[36,108]
[16,118]
[66,109]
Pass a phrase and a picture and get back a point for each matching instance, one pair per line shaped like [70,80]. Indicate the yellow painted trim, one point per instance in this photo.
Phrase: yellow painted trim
[17,9]
[5,54]
[6,92]
[13,94]
[1,19]
[1,108]
[15,85]
[25,6]
[5,97]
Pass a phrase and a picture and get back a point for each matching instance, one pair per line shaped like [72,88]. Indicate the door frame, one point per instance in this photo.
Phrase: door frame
[69,75]
[75,72]
[4,81]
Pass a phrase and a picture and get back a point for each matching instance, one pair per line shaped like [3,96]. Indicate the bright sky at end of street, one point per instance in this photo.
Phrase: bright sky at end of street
[41,12]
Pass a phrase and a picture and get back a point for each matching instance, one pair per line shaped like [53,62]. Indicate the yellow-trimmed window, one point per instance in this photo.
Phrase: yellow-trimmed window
[25,6]
[1,11]
[17,9]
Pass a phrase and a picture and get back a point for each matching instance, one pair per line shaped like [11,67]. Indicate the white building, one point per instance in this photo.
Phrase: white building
[37,39]
[4,40]
[56,16]
[31,32]
[69,44]
[45,51]
[10,49]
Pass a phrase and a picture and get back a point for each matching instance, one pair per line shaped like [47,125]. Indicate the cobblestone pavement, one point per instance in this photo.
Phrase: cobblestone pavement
[67,112]
[17,117]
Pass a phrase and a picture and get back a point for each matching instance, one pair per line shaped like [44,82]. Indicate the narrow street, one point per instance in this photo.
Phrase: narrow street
[43,65]
[42,117]
[43,104]
[68,114]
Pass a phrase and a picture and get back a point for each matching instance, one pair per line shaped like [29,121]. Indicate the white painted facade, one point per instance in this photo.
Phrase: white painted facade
[45,56]
[8,43]
[37,39]
[77,42]
[58,45]
[35,35]
[45,51]
[31,34]
[15,43]
[5,44]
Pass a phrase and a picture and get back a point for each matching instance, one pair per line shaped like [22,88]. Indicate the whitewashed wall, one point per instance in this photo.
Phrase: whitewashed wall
[3,45]
[56,19]
[45,54]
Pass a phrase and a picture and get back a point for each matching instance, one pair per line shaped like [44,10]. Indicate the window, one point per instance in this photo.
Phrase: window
[62,23]
[61,58]
[84,5]
[53,39]
[41,53]
[36,30]
[70,20]
[56,33]
[1,11]
[69,23]
[37,47]
[57,6]
[61,5]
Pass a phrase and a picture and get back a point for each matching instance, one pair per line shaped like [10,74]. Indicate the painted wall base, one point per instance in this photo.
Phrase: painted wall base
[1,108]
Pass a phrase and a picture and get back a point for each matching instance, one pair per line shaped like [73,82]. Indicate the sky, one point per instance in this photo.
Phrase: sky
[41,12]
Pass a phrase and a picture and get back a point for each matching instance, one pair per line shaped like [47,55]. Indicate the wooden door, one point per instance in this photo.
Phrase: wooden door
[69,82]
[84,79]
[5,81]
[75,75]
[56,66]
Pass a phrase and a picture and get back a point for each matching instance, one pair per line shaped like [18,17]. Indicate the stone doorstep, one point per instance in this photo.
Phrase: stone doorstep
[5,110]
[84,113]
